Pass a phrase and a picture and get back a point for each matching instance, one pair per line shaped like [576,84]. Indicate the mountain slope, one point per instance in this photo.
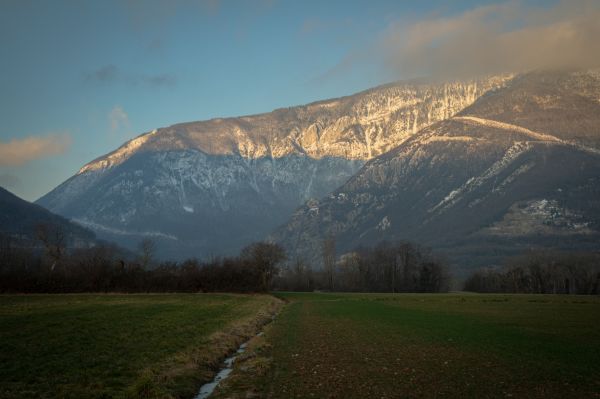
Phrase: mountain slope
[20,219]
[208,188]
[518,168]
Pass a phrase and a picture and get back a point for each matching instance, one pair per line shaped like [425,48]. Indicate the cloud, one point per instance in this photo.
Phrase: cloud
[105,74]
[159,80]
[506,37]
[348,65]
[9,181]
[111,74]
[118,119]
[20,151]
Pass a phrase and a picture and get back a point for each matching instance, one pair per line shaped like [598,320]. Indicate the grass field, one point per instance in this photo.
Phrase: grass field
[105,346]
[405,345]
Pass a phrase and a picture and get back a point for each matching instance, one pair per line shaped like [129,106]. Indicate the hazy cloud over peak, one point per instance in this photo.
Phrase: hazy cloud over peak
[506,37]
[9,181]
[17,152]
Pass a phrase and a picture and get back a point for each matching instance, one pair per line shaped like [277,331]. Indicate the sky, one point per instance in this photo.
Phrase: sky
[79,78]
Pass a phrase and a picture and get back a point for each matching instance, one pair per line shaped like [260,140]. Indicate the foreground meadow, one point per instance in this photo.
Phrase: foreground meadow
[420,345]
[107,346]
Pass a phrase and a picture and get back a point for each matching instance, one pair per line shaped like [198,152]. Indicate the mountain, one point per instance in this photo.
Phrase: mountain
[20,220]
[208,188]
[518,168]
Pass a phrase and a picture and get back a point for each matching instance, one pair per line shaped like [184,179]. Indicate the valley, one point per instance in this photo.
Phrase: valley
[319,345]
[209,199]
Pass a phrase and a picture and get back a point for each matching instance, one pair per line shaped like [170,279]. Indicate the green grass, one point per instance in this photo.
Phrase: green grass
[420,345]
[100,346]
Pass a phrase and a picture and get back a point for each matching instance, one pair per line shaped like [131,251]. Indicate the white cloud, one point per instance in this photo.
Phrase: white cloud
[17,152]
[506,37]
[118,119]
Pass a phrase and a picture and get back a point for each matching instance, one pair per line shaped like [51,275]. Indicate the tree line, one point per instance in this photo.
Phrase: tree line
[52,267]
[541,272]
[387,267]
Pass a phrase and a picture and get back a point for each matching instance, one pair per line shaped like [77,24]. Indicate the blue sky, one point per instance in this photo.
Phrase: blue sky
[78,78]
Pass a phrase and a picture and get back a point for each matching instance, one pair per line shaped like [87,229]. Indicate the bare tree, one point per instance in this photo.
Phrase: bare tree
[299,281]
[54,240]
[329,260]
[147,247]
[407,257]
[265,257]
[541,271]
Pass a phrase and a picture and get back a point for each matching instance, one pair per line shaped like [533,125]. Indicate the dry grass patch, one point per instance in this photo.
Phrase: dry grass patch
[181,375]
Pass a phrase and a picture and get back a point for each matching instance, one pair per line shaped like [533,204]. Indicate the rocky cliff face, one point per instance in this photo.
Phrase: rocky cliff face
[519,168]
[208,188]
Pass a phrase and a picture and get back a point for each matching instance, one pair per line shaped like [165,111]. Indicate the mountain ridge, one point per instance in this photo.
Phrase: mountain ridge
[220,177]
[456,178]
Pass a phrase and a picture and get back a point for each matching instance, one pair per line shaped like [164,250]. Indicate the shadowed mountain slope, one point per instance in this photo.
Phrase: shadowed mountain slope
[519,168]
[20,220]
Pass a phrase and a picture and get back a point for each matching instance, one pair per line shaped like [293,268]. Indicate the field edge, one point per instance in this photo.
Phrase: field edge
[182,375]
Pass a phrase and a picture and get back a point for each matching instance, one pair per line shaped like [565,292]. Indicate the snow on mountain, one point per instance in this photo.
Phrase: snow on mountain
[210,187]
[472,185]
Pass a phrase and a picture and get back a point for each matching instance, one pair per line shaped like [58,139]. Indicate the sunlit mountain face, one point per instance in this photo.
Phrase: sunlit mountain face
[208,188]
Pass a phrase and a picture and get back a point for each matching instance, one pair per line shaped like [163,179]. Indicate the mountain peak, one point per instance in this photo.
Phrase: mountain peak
[119,155]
